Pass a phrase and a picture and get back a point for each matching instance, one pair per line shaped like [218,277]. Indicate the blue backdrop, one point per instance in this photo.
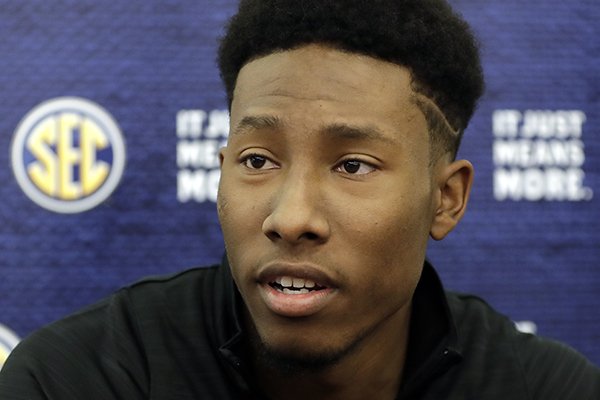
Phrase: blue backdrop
[143,72]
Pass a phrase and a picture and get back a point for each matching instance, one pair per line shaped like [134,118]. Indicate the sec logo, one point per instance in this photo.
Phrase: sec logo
[68,154]
[8,341]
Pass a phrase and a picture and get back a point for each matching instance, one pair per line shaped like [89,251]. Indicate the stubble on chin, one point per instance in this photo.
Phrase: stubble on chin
[294,361]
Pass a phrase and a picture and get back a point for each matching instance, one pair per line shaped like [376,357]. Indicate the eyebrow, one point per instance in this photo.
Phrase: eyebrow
[257,122]
[350,132]
[336,130]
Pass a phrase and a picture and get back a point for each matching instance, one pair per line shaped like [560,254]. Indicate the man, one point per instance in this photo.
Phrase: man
[345,121]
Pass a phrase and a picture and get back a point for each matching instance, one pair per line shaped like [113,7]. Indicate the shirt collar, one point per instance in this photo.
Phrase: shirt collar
[433,339]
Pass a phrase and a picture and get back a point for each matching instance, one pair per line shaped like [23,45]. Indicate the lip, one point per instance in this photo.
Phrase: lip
[295,305]
[305,271]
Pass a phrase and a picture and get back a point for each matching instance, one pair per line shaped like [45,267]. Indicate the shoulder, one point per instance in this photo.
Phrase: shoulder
[102,346]
[177,289]
[555,370]
[71,355]
[538,367]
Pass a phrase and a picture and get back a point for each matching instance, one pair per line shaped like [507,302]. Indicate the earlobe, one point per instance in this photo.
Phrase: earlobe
[454,186]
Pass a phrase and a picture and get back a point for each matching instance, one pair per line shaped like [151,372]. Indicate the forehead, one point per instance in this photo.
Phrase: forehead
[315,82]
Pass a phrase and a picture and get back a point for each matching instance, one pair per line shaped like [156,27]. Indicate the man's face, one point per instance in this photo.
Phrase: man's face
[326,198]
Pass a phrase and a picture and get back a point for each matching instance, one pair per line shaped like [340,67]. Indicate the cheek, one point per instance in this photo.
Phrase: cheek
[228,211]
[397,256]
[232,228]
[231,204]
[240,216]
[393,221]
[223,206]
[393,239]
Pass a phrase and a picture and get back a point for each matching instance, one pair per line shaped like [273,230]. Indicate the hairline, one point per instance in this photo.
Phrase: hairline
[443,138]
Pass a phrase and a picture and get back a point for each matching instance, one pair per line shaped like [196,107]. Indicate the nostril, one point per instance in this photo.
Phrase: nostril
[310,236]
[273,235]
[294,225]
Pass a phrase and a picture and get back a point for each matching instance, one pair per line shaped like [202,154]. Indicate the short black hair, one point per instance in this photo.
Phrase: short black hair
[425,36]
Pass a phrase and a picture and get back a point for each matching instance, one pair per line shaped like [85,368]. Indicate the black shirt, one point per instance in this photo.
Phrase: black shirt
[179,337]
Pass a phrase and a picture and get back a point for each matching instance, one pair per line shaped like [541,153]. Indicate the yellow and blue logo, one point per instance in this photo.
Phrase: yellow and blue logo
[8,341]
[68,154]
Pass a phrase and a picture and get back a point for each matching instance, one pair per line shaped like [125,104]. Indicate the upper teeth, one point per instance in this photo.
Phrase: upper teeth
[297,283]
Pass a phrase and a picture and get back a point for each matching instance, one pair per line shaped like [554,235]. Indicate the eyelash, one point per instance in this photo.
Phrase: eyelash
[244,161]
[338,167]
[361,164]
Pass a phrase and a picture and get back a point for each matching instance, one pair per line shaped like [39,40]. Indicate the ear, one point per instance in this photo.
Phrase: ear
[222,155]
[454,185]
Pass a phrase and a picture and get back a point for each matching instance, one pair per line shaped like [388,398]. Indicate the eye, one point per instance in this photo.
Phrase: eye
[258,162]
[354,167]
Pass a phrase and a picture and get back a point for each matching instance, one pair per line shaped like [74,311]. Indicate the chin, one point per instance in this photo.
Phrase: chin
[296,359]
[300,356]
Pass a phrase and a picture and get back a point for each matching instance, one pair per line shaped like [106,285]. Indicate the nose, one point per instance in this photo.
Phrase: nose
[296,214]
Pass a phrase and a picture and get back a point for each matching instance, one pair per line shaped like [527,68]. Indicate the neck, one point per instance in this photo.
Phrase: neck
[372,370]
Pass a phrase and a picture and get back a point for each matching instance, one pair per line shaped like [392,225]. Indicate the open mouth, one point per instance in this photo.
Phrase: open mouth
[292,296]
[290,285]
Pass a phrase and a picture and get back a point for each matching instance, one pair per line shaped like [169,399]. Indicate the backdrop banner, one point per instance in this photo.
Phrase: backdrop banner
[112,114]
